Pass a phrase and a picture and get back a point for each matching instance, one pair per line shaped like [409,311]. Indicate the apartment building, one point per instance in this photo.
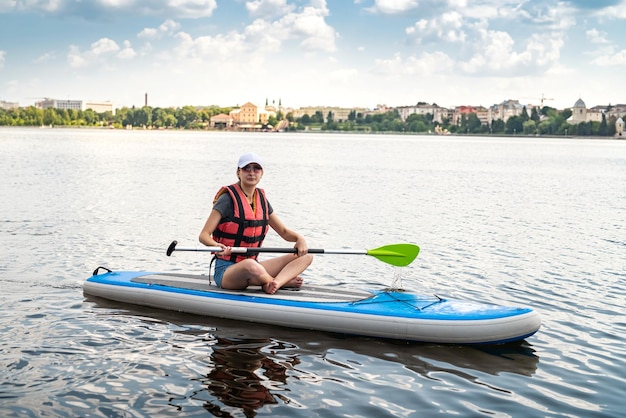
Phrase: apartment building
[438,113]
[48,103]
[8,105]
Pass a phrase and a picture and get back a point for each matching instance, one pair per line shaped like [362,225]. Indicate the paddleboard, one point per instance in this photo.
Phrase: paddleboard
[390,314]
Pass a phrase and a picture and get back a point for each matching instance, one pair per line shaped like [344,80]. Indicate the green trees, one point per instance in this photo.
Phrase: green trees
[548,121]
[187,117]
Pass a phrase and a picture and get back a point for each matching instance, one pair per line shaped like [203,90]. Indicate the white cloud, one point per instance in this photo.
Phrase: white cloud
[596,36]
[191,9]
[495,52]
[127,52]
[2,55]
[263,36]
[617,11]
[169,26]
[269,8]
[267,36]
[393,6]
[100,53]
[231,44]
[311,26]
[48,56]
[149,33]
[448,27]
[617,59]
[166,28]
[560,16]
[104,46]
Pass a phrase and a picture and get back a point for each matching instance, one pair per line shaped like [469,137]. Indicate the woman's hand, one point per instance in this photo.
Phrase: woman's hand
[301,246]
[225,249]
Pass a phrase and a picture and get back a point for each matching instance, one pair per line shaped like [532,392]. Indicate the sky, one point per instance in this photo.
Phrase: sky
[348,53]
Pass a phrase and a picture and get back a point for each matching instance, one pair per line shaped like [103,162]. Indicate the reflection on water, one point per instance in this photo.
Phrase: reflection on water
[243,376]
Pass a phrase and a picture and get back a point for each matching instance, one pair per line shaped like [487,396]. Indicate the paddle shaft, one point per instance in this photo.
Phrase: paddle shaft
[254,250]
[395,254]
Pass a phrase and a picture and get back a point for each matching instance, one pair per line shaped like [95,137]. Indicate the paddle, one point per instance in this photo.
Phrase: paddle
[395,254]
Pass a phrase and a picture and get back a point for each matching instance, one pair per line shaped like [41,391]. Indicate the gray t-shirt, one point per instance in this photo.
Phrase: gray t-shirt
[226,208]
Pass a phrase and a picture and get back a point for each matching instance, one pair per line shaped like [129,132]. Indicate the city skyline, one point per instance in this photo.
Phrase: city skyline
[311,53]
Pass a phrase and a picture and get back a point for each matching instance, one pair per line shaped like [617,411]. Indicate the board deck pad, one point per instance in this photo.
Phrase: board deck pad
[306,293]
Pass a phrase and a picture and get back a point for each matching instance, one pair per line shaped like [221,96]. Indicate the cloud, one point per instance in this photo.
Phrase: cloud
[127,52]
[448,27]
[617,10]
[218,46]
[48,56]
[94,9]
[104,46]
[191,9]
[393,6]
[100,53]
[495,53]
[269,8]
[312,28]
[166,28]
[596,36]
[306,26]
[2,55]
[617,59]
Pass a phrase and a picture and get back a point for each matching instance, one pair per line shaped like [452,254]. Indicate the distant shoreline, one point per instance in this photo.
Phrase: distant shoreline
[420,134]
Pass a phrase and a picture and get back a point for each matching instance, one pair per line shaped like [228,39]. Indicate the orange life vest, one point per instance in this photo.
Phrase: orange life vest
[244,228]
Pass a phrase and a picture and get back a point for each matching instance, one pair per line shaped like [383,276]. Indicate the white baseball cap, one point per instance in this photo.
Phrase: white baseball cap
[249,158]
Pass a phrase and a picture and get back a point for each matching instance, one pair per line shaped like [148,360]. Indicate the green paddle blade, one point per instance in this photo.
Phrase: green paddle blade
[396,254]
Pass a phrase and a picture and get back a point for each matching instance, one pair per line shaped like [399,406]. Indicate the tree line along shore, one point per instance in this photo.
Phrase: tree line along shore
[544,122]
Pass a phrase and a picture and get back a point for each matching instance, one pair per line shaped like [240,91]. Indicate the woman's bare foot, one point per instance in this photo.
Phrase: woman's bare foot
[270,288]
[295,282]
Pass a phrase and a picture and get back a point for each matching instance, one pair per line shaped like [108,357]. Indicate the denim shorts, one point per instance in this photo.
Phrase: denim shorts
[220,268]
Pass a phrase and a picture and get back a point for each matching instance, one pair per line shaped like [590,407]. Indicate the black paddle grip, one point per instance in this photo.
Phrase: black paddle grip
[171,248]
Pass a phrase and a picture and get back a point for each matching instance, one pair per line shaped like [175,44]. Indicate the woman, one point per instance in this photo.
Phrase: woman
[240,217]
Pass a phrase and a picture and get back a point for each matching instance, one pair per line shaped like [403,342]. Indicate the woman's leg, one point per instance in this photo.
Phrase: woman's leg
[271,274]
[245,273]
[285,269]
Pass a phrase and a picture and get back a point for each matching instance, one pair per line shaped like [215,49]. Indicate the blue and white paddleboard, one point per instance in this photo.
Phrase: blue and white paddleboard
[386,314]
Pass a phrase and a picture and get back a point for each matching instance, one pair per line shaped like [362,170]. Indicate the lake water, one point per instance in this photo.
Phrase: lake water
[517,221]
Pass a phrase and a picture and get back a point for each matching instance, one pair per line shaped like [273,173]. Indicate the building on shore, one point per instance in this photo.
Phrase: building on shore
[222,121]
[579,113]
[8,105]
[506,109]
[484,114]
[339,114]
[438,113]
[616,111]
[98,107]
[48,103]
[250,116]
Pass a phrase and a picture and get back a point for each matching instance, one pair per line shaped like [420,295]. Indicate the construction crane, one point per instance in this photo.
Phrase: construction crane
[542,98]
